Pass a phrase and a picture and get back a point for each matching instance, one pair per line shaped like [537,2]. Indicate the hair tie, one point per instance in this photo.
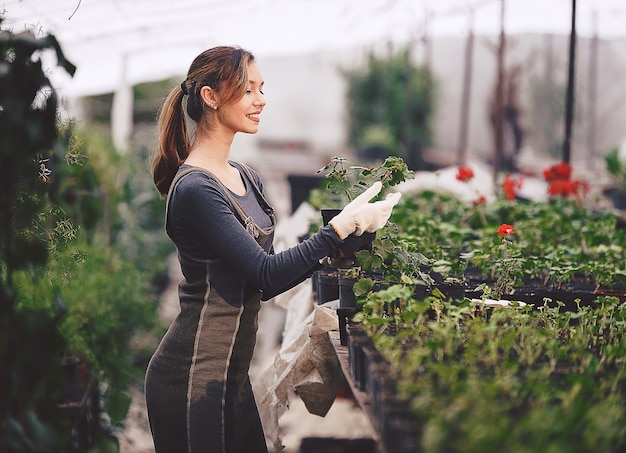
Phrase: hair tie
[183,86]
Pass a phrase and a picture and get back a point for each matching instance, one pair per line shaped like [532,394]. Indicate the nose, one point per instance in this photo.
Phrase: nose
[259,100]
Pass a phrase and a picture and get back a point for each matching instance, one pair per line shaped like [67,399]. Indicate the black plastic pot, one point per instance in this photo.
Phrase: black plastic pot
[356,357]
[344,316]
[327,285]
[571,299]
[454,291]
[72,390]
[334,445]
[420,292]
[347,299]
[314,284]
[328,214]
[618,198]
[396,427]
[301,186]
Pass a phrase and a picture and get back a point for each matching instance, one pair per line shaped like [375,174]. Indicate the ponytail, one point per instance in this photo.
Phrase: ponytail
[173,142]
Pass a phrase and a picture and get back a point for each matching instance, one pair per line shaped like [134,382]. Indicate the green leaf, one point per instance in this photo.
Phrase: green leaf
[363,286]
[117,404]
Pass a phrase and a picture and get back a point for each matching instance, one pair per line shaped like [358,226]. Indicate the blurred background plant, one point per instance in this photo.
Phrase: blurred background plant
[81,254]
[616,168]
[391,104]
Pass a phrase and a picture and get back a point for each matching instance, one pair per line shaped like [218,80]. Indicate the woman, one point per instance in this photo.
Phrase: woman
[198,391]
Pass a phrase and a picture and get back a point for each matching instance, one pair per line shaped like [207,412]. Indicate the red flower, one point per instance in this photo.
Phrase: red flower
[505,230]
[563,188]
[561,184]
[480,200]
[464,174]
[559,187]
[510,186]
[558,172]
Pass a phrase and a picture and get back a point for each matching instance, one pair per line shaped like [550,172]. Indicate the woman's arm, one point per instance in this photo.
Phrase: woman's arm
[200,210]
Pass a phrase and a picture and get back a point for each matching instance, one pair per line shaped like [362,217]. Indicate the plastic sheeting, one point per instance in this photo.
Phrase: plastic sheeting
[306,364]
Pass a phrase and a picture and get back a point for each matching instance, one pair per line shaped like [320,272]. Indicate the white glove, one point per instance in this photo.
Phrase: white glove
[360,215]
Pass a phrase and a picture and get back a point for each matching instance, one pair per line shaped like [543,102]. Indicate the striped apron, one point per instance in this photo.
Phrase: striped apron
[198,391]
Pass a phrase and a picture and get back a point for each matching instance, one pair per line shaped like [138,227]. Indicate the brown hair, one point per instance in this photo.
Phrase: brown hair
[225,70]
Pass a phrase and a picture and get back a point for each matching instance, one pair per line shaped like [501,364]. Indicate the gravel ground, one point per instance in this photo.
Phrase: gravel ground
[345,420]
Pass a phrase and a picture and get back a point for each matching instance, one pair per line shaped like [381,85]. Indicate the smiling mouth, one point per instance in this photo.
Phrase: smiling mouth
[253,116]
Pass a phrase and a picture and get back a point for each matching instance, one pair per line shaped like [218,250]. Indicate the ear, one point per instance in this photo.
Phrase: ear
[209,97]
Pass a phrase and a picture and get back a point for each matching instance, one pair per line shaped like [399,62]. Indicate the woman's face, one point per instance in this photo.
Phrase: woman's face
[244,115]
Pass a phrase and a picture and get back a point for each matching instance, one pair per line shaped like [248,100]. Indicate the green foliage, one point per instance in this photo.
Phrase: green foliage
[511,379]
[106,301]
[616,167]
[515,380]
[31,381]
[546,108]
[349,181]
[390,104]
[28,130]
[553,242]
[71,235]
[31,347]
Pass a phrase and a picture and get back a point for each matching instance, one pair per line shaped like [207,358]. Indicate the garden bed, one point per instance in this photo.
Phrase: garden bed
[451,363]
[478,379]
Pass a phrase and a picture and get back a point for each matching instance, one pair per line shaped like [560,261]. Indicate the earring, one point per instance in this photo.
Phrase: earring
[215,107]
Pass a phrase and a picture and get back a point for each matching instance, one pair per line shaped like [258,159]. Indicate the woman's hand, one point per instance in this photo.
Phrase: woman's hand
[360,215]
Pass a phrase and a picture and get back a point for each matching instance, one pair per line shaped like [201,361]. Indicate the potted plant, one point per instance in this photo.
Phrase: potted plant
[401,258]
[616,168]
[344,183]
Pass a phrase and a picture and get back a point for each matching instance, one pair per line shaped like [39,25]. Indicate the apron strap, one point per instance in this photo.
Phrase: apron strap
[246,220]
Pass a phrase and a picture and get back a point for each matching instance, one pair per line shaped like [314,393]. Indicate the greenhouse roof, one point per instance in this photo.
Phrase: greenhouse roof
[145,40]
